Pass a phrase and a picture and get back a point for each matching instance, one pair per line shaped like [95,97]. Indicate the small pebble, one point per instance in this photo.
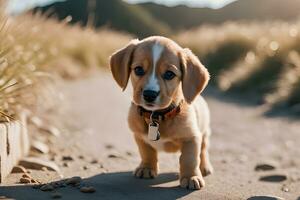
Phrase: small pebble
[81,157]
[264,167]
[33,181]
[109,146]
[85,167]
[26,176]
[47,187]
[67,158]
[40,147]
[19,169]
[267,197]
[65,164]
[38,164]
[25,180]
[112,156]
[285,189]
[94,161]
[74,180]
[37,186]
[87,189]
[56,184]
[273,178]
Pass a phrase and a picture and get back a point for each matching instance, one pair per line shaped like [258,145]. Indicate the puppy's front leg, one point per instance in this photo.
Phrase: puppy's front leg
[190,174]
[149,166]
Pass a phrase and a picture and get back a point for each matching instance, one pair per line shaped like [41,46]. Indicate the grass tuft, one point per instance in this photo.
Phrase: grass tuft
[260,59]
[33,50]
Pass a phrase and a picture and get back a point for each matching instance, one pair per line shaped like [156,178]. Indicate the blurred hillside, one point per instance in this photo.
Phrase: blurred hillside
[150,18]
[116,14]
[256,55]
[258,60]
[259,10]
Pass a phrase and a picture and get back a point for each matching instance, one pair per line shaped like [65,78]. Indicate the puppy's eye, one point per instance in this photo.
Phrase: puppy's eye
[139,71]
[169,75]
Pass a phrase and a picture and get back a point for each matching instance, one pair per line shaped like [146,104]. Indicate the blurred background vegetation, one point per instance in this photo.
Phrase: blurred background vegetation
[251,47]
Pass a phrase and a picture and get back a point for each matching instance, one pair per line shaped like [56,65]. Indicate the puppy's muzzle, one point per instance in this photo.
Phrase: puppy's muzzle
[150,95]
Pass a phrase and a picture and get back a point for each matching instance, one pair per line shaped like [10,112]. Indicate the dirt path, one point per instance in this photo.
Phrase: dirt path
[104,154]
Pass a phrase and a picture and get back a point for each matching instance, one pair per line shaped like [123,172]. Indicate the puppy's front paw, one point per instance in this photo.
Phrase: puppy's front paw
[145,172]
[192,183]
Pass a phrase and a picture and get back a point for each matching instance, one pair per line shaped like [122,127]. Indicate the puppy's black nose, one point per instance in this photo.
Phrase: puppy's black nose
[150,95]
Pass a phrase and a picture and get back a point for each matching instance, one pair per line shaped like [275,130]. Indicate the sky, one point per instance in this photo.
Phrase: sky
[16,6]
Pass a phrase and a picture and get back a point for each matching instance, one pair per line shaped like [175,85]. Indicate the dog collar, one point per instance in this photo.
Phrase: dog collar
[161,115]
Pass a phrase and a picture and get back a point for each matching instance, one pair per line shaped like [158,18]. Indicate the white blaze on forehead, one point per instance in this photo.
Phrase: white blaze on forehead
[157,49]
[152,83]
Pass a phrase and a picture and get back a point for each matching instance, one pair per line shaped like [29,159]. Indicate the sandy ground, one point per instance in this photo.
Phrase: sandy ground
[103,152]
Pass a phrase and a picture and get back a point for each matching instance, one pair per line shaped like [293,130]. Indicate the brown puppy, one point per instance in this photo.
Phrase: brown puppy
[167,81]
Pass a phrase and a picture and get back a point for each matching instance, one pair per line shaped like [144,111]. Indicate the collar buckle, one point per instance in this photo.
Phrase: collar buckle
[156,117]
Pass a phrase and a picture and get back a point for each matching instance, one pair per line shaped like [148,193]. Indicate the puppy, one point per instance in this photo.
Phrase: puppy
[167,113]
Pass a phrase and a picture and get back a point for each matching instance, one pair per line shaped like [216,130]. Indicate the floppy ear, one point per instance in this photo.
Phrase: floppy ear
[195,75]
[120,63]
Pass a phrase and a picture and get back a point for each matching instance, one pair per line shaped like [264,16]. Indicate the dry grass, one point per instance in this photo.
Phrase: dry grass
[33,49]
[288,85]
[19,58]
[72,48]
[251,57]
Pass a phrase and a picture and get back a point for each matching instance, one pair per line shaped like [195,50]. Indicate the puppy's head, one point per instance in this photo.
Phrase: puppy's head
[161,72]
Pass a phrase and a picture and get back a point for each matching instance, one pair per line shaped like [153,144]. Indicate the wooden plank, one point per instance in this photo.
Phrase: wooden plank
[14,144]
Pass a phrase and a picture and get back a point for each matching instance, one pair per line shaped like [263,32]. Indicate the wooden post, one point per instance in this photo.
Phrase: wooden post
[14,144]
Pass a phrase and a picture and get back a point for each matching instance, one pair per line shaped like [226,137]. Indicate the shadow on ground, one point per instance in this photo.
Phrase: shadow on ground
[120,185]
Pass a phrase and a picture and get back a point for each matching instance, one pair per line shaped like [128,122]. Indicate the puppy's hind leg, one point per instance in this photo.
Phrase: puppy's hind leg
[205,164]
[149,165]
